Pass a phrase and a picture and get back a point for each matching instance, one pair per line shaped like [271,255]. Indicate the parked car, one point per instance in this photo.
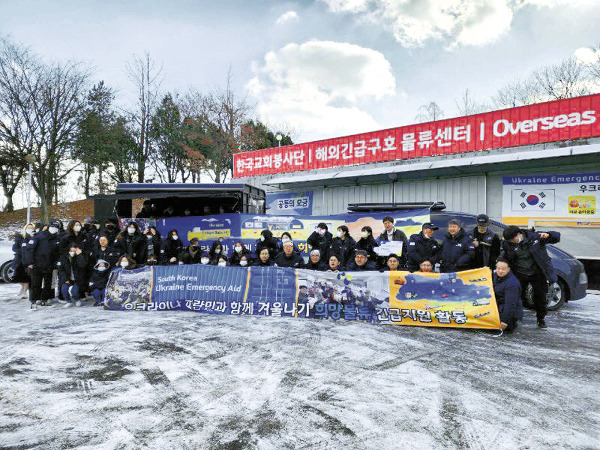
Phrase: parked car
[6,257]
[572,279]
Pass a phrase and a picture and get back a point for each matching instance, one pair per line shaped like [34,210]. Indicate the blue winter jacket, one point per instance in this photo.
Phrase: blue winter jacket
[508,297]
[457,252]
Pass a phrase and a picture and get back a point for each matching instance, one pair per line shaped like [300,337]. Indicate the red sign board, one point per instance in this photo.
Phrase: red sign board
[558,120]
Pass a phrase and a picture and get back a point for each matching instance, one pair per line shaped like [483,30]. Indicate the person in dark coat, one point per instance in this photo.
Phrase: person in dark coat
[507,290]
[486,243]
[267,240]
[20,274]
[132,243]
[422,246]
[529,261]
[457,249]
[320,239]
[264,258]
[390,233]
[367,242]
[40,257]
[111,229]
[171,248]
[334,264]
[289,258]
[215,252]
[105,251]
[239,250]
[153,245]
[315,262]
[361,262]
[72,270]
[285,236]
[343,245]
[392,262]
[192,253]
[245,261]
[98,281]
[73,235]
[91,231]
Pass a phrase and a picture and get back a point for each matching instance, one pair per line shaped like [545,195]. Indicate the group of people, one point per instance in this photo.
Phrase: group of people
[82,255]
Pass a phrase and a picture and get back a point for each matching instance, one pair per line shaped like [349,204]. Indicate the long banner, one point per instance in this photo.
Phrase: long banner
[559,120]
[463,300]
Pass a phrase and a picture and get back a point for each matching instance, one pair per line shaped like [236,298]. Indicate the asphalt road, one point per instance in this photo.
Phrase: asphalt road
[95,379]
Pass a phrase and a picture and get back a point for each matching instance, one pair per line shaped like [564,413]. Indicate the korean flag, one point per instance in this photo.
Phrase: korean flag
[533,200]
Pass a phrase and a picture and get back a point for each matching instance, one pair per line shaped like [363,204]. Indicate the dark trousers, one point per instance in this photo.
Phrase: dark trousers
[41,285]
[540,289]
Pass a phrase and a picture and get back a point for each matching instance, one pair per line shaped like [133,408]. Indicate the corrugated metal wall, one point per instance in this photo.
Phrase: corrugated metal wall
[466,194]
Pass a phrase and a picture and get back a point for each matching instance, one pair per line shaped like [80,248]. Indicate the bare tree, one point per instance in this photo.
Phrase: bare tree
[429,113]
[467,106]
[12,168]
[41,107]
[563,80]
[518,93]
[147,79]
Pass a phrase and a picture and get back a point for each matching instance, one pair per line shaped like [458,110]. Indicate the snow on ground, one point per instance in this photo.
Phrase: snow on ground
[93,379]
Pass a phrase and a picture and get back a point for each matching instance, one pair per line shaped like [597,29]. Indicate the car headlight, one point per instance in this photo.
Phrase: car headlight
[583,279]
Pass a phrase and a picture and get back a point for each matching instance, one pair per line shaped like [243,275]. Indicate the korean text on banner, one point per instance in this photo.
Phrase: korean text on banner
[463,300]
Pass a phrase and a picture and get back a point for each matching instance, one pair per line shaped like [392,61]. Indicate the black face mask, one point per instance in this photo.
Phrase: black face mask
[110,226]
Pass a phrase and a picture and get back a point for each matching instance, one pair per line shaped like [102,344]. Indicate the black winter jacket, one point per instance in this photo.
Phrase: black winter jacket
[321,243]
[397,236]
[488,249]
[344,249]
[508,297]
[537,246]
[170,249]
[457,252]
[295,260]
[420,249]
[353,267]
[73,269]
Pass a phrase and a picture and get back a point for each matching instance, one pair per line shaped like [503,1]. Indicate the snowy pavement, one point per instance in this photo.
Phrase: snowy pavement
[94,379]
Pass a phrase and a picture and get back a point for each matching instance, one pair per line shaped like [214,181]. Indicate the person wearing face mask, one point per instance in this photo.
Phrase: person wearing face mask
[153,244]
[222,261]
[215,252]
[239,250]
[73,235]
[422,246]
[131,242]
[367,243]
[192,253]
[204,259]
[526,253]
[457,250]
[20,274]
[320,239]
[40,257]
[171,248]
[245,261]
[98,281]
[264,258]
[111,229]
[72,272]
[267,241]
[343,245]
[126,263]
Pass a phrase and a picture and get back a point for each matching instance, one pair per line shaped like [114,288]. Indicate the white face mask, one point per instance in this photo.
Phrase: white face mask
[340,233]
[52,230]
[77,228]
[222,263]
[262,239]
[30,231]
[204,260]
[124,263]
[71,254]
[97,225]
[149,236]
[321,231]
[364,234]
[131,230]
[238,249]
[101,269]
[217,251]
[243,263]
[174,237]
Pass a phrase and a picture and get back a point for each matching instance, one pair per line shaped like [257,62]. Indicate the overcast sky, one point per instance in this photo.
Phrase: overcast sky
[324,67]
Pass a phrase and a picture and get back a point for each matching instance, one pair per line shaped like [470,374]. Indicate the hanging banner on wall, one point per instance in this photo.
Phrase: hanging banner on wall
[558,120]
[571,198]
[460,300]
[290,203]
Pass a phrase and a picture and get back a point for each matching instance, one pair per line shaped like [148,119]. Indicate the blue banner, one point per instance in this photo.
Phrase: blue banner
[290,203]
